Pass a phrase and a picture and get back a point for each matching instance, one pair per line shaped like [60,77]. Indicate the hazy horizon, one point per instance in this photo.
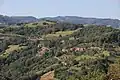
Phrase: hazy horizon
[52,8]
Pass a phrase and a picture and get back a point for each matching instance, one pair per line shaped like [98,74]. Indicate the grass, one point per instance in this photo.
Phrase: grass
[30,25]
[38,24]
[11,49]
[106,53]
[57,34]
[84,57]
[102,54]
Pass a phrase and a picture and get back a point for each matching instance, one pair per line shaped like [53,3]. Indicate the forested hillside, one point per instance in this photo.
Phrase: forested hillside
[50,50]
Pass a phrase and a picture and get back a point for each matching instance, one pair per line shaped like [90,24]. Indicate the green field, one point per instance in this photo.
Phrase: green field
[57,34]
[84,57]
[11,49]
[106,53]
[40,24]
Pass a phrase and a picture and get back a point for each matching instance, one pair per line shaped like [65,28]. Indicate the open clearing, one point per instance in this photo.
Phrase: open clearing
[10,49]
[57,34]
[41,24]
[48,76]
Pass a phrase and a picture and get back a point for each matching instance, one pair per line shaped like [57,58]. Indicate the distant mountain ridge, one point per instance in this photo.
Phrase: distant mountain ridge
[17,19]
[70,19]
[81,20]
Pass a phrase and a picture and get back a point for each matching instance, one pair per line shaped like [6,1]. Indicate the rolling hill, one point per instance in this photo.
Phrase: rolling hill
[69,19]
[81,20]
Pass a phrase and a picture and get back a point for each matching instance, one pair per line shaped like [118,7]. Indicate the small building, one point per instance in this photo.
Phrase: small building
[43,50]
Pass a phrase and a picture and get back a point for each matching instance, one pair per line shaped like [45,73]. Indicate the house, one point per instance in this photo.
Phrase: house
[43,50]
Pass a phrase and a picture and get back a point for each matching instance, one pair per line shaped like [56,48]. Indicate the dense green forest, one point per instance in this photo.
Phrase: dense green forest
[48,50]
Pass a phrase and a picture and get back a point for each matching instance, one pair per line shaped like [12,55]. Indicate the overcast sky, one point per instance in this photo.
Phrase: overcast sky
[46,8]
